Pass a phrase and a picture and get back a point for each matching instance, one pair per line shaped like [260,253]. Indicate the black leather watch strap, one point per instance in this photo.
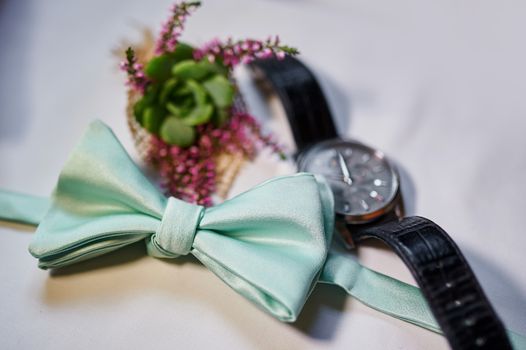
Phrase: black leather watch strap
[453,293]
[451,289]
[302,98]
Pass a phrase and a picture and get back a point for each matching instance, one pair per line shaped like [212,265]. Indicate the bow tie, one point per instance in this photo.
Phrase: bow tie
[269,243]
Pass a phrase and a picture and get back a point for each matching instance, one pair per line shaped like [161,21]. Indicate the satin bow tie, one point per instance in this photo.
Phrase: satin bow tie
[269,243]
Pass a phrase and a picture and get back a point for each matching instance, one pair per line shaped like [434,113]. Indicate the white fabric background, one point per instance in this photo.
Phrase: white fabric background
[438,85]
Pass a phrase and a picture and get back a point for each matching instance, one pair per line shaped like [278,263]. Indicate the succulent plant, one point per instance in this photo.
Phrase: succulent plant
[185,100]
[183,93]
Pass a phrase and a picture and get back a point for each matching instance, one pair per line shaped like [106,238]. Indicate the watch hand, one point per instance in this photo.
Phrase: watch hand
[345,170]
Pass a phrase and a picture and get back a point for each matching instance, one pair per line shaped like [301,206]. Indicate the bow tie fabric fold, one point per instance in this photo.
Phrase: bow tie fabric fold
[269,243]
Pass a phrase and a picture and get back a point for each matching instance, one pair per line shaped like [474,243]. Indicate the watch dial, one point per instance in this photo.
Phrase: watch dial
[361,178]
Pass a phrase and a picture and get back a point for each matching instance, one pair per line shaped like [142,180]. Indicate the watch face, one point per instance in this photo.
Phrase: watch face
[363,181]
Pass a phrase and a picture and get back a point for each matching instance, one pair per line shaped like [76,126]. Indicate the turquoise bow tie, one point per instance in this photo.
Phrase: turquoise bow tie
[269,243]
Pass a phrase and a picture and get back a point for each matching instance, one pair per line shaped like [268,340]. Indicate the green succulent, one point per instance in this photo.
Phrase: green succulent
[184,93]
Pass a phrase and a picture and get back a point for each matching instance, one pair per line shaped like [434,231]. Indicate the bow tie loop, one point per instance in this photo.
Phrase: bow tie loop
[176,232]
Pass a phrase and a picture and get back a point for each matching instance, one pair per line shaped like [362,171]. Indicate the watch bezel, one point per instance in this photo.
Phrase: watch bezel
[358,218]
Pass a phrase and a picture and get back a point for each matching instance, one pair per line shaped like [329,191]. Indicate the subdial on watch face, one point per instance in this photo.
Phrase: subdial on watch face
[362,180]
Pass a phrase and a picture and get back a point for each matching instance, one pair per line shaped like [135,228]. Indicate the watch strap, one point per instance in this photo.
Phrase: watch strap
[448,284]
[450,287]
[303,100]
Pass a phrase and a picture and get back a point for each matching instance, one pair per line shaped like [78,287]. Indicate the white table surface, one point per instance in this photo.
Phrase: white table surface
[438,85]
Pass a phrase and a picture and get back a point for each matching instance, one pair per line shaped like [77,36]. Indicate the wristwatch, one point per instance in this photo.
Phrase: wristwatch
[368,204]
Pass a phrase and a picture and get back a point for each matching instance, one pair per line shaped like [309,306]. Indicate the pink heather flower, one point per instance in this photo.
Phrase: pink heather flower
[190,173]
[174,26]
[242,51]
[136,78]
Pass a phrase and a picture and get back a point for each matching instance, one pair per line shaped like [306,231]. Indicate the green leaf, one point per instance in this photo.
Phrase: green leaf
[220,68]
[152,118]
[138,109]
[183,51]
[198,92]
[175,132]
[220,117]
[167,89]
[185,103]
[174,110]
[182,90]
[189,69]
[221,90]
[199,115]
[213,67]
[160,67]
[150,95]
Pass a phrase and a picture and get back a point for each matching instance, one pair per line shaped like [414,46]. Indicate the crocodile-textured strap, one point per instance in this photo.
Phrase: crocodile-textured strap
[452,291]
[302,98]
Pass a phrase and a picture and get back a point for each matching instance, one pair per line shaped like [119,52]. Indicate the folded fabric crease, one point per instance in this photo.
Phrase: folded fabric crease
[283,227]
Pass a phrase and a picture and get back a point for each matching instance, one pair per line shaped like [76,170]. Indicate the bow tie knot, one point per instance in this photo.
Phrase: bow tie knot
[175,235]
